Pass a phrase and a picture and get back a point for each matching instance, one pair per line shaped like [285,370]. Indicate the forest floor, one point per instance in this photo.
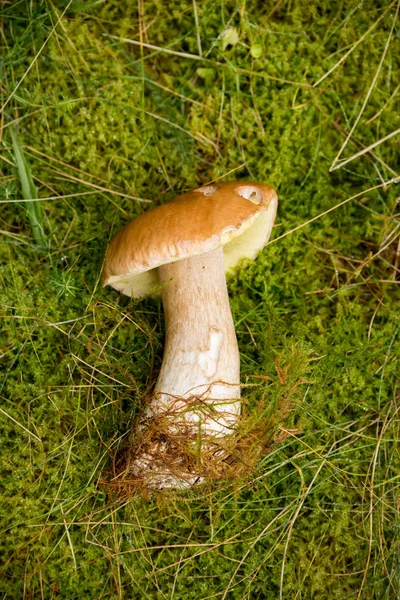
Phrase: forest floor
[109,108]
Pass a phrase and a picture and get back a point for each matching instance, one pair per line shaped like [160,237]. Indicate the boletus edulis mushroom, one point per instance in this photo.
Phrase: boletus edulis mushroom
[184,248]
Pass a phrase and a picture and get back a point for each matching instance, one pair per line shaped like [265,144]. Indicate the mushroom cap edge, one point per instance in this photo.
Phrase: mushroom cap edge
[237,216]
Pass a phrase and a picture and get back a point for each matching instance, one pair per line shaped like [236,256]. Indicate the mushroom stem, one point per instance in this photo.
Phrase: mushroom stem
[196,401]
[199,379]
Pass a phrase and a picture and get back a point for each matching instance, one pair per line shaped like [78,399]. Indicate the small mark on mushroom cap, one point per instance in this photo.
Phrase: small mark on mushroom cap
[207,190]
[250,192]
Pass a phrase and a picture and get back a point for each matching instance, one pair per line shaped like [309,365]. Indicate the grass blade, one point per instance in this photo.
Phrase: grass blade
[29,192]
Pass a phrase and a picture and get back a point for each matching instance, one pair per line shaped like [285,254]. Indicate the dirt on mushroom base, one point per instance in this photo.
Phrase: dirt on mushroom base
[161,457]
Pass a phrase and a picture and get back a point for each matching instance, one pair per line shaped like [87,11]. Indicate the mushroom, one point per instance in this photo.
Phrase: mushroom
[184,248]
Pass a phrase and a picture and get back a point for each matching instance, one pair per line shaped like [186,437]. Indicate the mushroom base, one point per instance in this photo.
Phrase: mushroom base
[170,455]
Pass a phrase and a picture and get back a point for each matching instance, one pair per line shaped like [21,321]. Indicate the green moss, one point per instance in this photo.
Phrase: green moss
[103,122]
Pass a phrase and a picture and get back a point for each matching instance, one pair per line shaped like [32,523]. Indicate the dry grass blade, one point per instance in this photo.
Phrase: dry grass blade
[365,150]
[48,157]
[373,156]
[100,188]
[292,522]
[381,110]
[20,425]
[196,20]
[35,58]
[386,48]
[202,139]
[12,235]
[353,47]
[385,184]
[210,61]
[372,495]
[282,513]
[225,174]
[157,48]
[45,199]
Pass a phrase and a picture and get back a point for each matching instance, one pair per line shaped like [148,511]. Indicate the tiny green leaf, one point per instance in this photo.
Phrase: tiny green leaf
[229,37]
[207,74]
[256,50]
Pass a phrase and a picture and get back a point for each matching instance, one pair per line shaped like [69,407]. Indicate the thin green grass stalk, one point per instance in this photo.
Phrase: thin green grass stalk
[33,208]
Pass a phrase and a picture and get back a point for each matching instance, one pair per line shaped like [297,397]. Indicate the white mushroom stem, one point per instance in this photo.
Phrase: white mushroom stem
[200,374]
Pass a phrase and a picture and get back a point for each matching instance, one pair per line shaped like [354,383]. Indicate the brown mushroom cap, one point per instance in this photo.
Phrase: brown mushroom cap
[236,215]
